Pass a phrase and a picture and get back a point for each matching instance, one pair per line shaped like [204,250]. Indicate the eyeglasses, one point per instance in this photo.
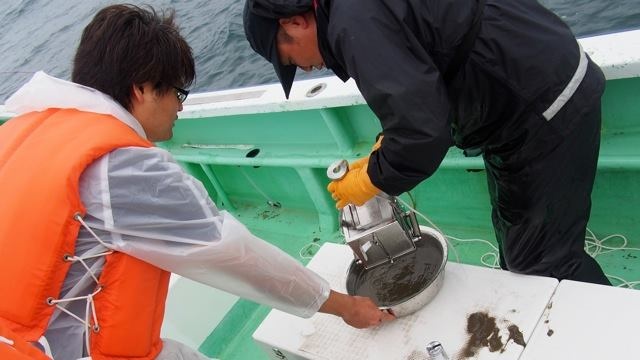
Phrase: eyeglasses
[181,94]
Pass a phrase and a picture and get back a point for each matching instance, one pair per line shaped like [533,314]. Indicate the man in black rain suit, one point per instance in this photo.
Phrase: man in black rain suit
[502,78]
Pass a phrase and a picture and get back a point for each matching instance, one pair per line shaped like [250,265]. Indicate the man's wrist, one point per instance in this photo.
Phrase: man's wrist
[336,304]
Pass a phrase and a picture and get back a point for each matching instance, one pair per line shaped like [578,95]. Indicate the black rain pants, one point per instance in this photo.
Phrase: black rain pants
[540,183]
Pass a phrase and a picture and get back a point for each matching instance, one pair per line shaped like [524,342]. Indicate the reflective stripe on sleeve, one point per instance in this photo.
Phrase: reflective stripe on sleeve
[571,87]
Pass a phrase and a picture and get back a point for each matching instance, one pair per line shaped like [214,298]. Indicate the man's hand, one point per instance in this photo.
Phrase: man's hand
[357,311]
[354,188]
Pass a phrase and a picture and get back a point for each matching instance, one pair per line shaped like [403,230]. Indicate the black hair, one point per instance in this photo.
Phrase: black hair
[126,45]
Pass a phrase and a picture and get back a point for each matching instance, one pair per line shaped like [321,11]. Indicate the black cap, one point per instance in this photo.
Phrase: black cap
[261,28]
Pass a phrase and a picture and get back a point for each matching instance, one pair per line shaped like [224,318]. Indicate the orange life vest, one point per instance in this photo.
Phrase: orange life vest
[42,155]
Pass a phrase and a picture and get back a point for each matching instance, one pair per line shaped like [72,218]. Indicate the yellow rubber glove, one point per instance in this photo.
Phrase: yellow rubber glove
[355,187]
[365,160]
[359,163]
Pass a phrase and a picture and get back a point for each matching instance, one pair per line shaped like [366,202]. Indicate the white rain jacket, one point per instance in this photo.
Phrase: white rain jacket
[141,202]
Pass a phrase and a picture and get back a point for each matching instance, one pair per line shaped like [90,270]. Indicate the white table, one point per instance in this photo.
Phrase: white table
[510,298]
[588,321]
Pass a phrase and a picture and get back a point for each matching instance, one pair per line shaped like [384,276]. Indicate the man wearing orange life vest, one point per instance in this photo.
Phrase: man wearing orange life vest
[94,217]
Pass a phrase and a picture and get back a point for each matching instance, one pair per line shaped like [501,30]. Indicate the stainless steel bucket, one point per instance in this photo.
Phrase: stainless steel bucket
[408,283]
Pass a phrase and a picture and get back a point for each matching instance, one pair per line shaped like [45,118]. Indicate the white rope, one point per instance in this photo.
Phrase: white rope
[596,247]
[90,312]
[446,237]
[78,217]
[593,246]
[624,283]
[307,249]
[270,201]
[594,242]
[90,309]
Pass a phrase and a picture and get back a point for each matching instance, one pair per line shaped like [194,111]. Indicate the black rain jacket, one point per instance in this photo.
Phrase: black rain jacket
[397,51]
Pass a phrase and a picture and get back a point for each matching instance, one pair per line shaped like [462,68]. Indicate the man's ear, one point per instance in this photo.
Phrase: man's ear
[137,93]
[295,21]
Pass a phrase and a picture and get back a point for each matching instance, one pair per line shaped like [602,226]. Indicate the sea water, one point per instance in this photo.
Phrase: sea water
[43,35]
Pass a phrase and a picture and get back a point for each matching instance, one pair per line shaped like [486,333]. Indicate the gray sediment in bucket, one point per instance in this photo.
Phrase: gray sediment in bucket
[390,284]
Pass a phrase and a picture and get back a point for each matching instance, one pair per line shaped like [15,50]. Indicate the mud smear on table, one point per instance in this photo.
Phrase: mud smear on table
[392,283]
[483,332]
[546,321]
[516,335]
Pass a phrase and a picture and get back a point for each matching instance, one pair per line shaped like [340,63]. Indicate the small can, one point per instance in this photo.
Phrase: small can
[436,351]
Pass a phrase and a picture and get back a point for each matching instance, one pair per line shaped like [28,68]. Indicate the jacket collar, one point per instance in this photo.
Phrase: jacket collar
[322,8]
[44,92]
